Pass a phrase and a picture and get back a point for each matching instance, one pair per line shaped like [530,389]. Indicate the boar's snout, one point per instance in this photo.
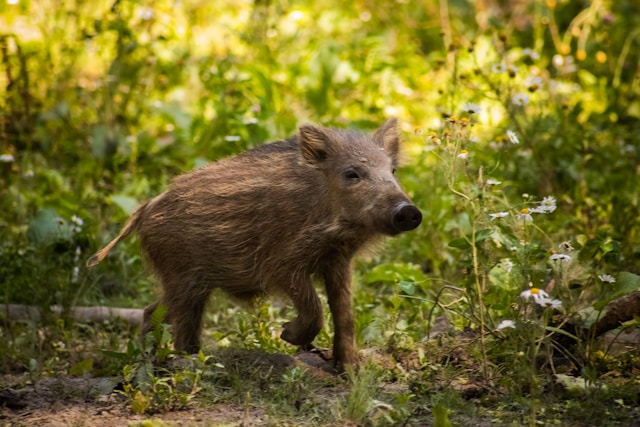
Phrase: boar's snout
[406,217]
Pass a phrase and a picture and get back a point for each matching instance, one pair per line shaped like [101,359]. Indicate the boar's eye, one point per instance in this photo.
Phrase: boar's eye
[351,175]
[393,171]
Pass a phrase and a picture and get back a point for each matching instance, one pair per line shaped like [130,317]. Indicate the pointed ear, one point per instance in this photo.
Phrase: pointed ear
[387,137]
[315,143]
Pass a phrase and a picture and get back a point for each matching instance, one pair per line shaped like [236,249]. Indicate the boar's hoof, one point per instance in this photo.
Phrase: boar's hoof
[406,217]
[293,335]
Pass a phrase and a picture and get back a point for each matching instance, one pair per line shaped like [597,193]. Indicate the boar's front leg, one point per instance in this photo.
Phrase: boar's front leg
[304,328]
[338,283]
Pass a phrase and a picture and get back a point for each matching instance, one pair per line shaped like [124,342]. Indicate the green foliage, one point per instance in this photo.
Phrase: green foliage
[521,123]
[148,387]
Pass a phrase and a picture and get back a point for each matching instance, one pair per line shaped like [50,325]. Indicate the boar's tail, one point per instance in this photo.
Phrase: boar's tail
[132,225]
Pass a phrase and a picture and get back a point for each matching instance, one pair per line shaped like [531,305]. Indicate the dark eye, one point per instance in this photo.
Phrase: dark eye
[351,174]
[393,171]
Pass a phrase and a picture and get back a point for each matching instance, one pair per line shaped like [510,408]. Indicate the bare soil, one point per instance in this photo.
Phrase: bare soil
[72,401]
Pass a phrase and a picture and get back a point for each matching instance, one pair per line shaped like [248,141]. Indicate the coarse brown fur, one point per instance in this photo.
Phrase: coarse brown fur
[271,221]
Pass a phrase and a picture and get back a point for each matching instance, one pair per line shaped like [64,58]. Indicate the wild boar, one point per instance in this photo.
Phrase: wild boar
[271,221]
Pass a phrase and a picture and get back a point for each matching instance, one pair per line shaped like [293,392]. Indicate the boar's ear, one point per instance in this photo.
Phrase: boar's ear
[315,144]
[387,137]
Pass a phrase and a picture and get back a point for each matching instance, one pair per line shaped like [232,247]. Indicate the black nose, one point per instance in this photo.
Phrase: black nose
[406,217]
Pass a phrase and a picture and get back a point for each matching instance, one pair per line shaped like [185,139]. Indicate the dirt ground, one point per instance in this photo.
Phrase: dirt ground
[73,401]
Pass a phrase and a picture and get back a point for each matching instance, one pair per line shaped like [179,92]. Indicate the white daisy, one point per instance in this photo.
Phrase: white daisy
[553,303]
[506,323]
[499,68]
[533,83]
[507,265]
[498,215]
[548,204]
[471,108]
[530,53]
[520,99]
[607,278]
[538,295]
[524,215]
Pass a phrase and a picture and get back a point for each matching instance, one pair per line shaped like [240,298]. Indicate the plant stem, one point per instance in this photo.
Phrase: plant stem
[479,291]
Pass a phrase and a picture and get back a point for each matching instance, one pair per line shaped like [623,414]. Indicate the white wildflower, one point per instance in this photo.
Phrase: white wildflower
[506,323]
[232,138]
[547,205]
[530,53]
[492,181]
[538,295]
[512,137]
[553,303]
[499,68]
[533,83]
[471,108]
[77,223]
[7,158]
[607,278]
[524,215]
[498,215]
[560,257]
[520,99]
[463,154]
[566,246]
[507,265]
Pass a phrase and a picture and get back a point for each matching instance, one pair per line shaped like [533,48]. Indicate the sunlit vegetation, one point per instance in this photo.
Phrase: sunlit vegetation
[521,123]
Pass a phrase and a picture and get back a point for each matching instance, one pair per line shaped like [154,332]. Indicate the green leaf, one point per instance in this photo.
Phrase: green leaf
[126,203]
[407,287]
[483,234]
[463,243]
[561,332]
[115,354]
[47,227]
[395,272]
[99,141]
[625,284]
[199,162]
[140,403]
[81,368]
[441,416]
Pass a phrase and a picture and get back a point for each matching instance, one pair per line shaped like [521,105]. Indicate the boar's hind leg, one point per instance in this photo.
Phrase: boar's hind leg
[185,307]
[338,284]
[304,328]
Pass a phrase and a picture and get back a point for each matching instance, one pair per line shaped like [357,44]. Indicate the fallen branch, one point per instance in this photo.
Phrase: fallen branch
[85,314]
